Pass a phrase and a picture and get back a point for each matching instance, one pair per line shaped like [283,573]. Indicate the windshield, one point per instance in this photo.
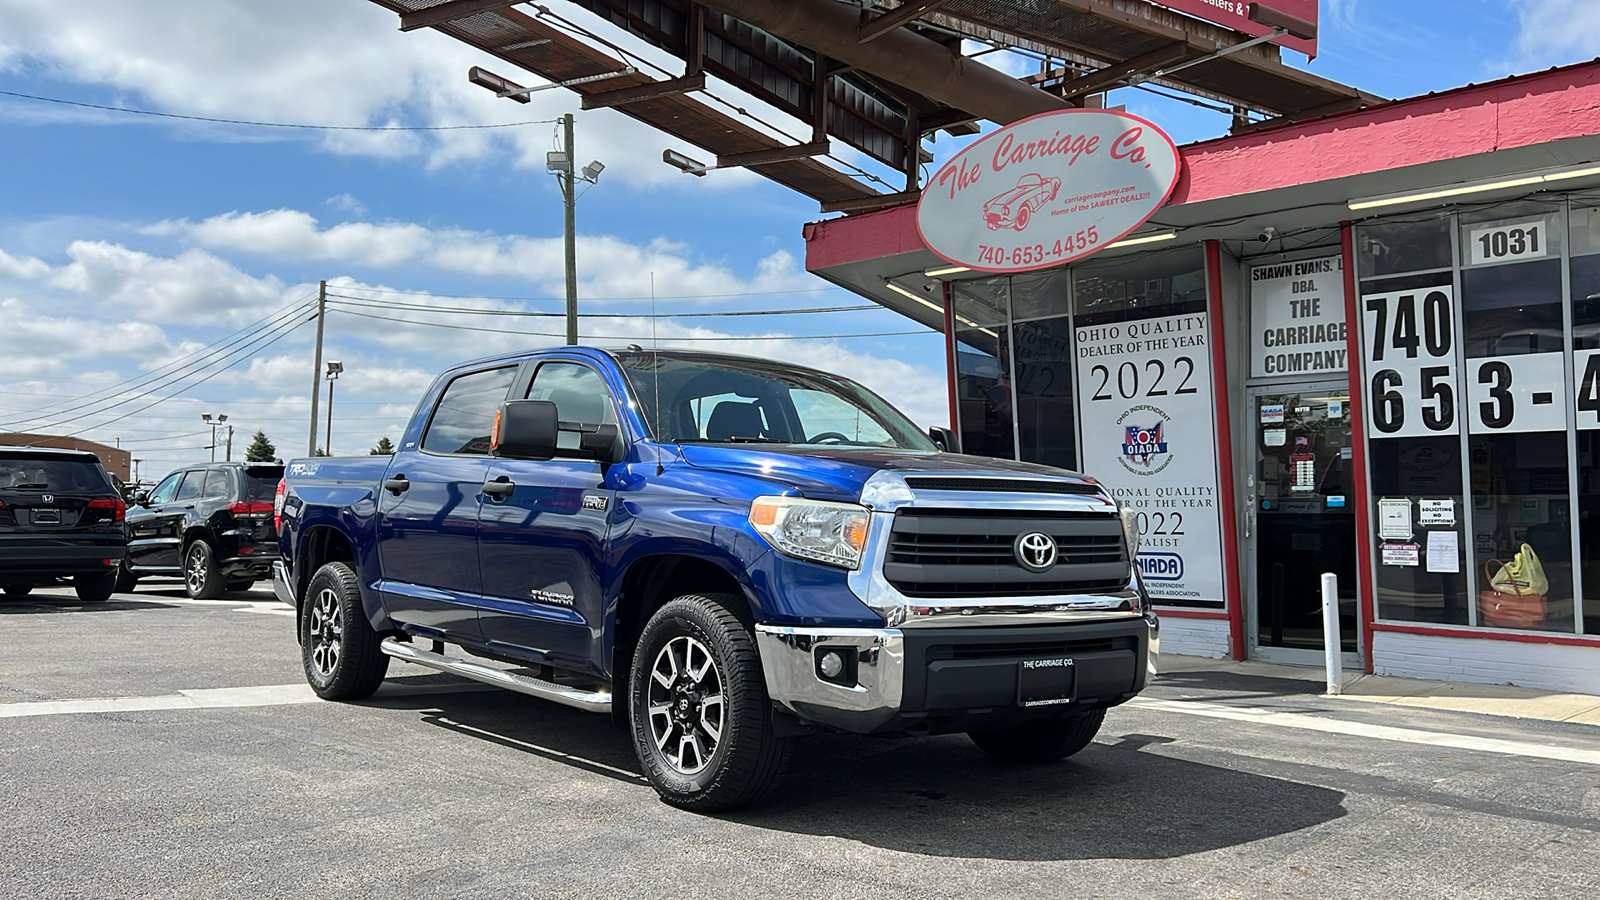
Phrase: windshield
[35,473]
[703,399]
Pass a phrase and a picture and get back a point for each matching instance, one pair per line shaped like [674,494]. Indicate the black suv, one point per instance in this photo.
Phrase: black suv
[210,523]
[60,518]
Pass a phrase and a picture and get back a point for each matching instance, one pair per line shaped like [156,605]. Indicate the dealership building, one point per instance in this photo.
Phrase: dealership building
[1366,344]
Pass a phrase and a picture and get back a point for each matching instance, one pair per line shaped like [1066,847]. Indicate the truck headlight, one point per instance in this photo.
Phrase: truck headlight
[832,533]
[1130,530]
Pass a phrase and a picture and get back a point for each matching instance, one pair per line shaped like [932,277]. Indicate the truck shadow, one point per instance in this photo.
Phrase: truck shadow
[942,796]
[37,605]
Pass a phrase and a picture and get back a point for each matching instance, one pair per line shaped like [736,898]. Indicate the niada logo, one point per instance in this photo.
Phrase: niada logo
[1144,440]
[1161,566]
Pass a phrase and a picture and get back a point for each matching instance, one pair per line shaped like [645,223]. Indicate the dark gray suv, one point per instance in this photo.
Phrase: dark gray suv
[61,519]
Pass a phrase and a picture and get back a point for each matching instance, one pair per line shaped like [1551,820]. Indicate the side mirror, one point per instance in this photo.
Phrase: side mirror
[141,498]
[602,445]
[525,429]
[945,439]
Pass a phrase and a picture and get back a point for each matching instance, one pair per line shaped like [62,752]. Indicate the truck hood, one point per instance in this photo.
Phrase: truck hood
[839,473]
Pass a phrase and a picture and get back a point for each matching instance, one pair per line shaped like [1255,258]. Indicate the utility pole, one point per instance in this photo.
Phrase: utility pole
[229,456]
[570,194]
[316,367]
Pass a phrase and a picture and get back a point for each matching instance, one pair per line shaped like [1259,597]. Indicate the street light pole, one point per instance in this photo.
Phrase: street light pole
[316,366]
[335,368]
[570,194]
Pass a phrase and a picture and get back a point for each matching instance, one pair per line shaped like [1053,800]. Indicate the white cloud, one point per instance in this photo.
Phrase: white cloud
[22,266]
[1556,32]
[164,289]
[607,266]
[34,344]
[347,203]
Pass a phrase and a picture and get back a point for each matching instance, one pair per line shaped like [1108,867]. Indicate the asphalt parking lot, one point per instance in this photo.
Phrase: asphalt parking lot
[209,771]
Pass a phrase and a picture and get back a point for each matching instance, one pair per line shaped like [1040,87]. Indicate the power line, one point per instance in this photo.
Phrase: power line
[821,290]
[280,336]
[106,393]
[367,302]
[168,379]
[786,337]
[164,115]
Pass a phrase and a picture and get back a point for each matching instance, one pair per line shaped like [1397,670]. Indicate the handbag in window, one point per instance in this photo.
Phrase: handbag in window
[1516,606]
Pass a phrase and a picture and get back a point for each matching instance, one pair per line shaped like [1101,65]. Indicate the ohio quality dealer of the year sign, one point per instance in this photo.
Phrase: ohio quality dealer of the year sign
[1047,190]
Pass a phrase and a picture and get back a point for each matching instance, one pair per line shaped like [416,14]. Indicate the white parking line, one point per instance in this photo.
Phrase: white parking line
[1260,716]
[219,698]
[209,698]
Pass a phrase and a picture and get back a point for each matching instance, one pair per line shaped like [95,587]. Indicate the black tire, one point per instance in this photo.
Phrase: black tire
[745,758]
[239,586]
[338,647]
[201,580]
[1043,740]
[95,588]
[17,591]
[126,580]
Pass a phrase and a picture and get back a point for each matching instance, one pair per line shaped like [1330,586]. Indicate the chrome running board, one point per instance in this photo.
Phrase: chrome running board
[590,701]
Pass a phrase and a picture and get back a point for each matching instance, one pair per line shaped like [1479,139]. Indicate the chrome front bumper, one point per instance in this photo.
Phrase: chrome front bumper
[789,661]
[280,582]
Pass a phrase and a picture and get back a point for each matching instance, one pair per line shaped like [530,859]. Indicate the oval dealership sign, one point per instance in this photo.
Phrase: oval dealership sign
[1047,190]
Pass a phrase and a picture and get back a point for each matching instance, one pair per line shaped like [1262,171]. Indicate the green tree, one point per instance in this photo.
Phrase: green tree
[260,449]
[385,447]
[320,452]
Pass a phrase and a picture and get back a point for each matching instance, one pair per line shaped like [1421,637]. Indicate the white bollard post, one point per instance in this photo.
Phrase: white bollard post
[1330,632]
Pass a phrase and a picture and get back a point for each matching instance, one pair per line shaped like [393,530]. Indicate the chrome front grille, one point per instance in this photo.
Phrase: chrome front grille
[956,553]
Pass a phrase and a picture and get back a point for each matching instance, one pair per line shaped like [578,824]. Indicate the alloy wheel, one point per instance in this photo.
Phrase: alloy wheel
[325,631]
[194,574]
[685,705]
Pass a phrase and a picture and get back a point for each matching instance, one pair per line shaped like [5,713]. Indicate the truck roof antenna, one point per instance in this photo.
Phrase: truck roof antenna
[655,350]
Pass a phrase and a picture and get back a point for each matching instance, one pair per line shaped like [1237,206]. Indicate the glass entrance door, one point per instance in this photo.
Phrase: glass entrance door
[1302,521]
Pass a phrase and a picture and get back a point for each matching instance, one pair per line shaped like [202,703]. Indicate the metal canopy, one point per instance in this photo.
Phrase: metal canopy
[873,105]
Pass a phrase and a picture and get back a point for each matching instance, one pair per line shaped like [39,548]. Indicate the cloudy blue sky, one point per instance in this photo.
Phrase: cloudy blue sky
[129,245]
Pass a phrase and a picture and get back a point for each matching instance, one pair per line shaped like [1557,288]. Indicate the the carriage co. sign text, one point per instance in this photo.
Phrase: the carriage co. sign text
[1047,190]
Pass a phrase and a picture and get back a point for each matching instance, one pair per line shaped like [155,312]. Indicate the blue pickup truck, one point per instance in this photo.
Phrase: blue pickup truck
[746,551]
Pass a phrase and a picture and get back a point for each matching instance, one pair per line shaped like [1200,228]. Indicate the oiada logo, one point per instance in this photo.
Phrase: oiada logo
[1144,440]
[1161,566]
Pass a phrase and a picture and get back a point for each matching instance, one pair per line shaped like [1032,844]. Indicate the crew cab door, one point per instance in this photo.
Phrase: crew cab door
[542,532]
[428,510]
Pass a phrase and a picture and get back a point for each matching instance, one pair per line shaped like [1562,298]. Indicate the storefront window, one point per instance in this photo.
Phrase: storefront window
[1393,248]
[983,367]
[1584,268]
[1043,338]
[1144,287]
[1515,374]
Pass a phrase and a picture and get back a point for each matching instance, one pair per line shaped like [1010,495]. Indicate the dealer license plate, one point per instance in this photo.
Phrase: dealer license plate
[1045,682]
[47,517]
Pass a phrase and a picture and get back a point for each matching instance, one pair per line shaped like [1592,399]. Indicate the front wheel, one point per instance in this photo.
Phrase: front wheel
[338,646]
[1043,740]
[201,580]
[701,720]
[17,591]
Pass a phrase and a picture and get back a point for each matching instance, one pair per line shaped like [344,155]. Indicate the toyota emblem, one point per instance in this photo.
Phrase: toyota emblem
[1035,551]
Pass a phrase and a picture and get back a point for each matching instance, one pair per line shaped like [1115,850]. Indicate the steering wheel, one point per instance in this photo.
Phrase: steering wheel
[829,435]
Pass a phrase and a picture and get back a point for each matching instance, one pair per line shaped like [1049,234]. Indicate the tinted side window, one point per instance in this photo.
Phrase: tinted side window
[193,482]
[217,483]
[465,415]
[578,392]
[168,486]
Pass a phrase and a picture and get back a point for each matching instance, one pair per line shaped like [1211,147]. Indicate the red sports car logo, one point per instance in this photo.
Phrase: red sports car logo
[1015,207]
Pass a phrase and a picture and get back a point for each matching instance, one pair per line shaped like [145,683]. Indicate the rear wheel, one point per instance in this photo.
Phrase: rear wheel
[701,720]
[201,580]
[235,586]
[1041,741]
[17,591]
[126,580]
[95,588]
[338,646]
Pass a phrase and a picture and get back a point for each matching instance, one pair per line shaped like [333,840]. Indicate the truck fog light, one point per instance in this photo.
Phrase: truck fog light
[832,664]
[836,665]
